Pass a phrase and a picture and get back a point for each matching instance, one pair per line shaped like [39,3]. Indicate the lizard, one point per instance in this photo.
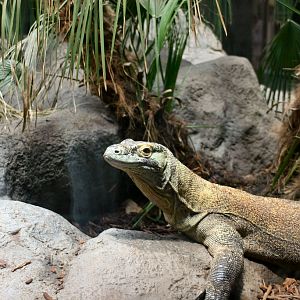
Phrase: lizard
[230,222]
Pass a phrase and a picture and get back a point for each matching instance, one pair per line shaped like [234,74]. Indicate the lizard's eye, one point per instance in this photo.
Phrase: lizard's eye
[145,151]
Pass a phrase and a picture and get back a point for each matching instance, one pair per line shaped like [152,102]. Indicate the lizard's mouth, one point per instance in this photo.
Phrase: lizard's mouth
[119,161]
[119,157]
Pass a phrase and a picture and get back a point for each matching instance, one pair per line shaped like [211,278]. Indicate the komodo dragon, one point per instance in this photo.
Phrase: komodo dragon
[228,221]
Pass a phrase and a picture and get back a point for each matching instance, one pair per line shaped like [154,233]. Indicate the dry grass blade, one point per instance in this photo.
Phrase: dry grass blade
[267,292]
[221,17]
[24,264]
[7,111]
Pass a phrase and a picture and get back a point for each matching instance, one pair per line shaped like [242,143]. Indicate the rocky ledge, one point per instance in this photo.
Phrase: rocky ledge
[42,255]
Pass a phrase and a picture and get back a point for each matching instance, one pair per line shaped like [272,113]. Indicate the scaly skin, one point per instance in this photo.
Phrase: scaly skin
[229,222]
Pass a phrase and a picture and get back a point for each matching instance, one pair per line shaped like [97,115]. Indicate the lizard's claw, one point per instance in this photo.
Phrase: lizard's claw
[201,296]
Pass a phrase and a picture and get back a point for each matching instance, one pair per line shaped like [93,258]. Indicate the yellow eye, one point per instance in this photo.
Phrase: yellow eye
[145,151]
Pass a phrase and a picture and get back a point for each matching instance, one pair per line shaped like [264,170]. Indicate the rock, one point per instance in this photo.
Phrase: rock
[36,246]
[5,146]
[122,264]
[224,107]
[58,163]
[203,47]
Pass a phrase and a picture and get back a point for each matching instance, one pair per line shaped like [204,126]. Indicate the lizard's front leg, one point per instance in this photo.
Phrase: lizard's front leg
[226,247]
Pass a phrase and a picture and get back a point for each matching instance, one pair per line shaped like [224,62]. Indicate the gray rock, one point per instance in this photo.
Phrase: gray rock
[57,163]
[224,107]
[121,264]
[40,238]
[203,47]
[5,146]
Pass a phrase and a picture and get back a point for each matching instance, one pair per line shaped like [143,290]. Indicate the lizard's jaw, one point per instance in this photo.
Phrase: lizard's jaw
[122,165]
[120,158]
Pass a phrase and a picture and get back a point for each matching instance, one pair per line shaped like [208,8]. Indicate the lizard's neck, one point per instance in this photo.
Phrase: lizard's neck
[160,196]
[181,178]
[156,186]
[176,186]
[191,189]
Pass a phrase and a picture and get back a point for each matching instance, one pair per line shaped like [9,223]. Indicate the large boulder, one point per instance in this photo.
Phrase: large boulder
[36,246]
[123,265]
[223,105]
[57,162]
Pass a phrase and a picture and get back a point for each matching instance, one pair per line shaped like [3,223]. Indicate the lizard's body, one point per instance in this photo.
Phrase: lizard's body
[228,221]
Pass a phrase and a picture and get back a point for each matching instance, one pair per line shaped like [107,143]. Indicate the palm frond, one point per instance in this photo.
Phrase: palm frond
[161,35]
[9,72]
[280,59]
[176,44]
[285,10]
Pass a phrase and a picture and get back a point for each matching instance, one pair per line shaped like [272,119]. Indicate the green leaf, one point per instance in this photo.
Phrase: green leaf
[137,220]
[82,33]
[96,42]
[287,5]
[161,35]
[141,32]
[115,29]
[166,21]
[70,56]
[155,8]
[102,47]
[176,48]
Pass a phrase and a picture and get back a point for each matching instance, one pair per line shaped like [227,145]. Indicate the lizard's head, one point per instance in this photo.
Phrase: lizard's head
[139,158]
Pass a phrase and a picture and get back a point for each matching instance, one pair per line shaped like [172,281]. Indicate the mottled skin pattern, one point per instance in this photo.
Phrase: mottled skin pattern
[229,222]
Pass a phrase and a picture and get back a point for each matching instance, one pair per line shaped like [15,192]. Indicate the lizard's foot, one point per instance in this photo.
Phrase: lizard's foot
[201,296]
[207,295]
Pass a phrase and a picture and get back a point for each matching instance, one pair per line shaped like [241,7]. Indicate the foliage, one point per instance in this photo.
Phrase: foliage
[281,60]
[282,55]
[95,33]
[24,57]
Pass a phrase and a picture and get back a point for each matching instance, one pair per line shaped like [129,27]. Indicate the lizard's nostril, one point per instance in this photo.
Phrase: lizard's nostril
[117,151]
